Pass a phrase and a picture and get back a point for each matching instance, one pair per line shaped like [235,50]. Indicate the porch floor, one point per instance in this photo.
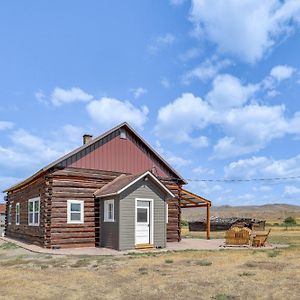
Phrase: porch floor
[185,244]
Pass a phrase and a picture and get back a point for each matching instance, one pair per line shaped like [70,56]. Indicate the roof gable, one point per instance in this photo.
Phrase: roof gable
[123,182]
[73,158]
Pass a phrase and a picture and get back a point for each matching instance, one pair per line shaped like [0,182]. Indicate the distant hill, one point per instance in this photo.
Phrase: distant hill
[270,212]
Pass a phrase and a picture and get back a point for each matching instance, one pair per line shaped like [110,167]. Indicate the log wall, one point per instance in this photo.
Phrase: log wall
[76,184]
[30,234]
[54,190]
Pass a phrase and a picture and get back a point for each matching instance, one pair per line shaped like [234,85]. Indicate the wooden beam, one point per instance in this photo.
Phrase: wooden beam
[208,222]
[190,201]
[193,206]
[201,199]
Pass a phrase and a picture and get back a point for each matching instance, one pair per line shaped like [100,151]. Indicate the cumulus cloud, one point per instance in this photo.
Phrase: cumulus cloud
[108,112]
[203,171]
[206,70]
[138,92]
[174,160]
[233,107]
[263,167]
[192,113]
[291,190]
[282,72]
[28,151]
[4,125]
[61,96]
[176,2]
[228,91]
[165,83]
[160,42]
[246,29]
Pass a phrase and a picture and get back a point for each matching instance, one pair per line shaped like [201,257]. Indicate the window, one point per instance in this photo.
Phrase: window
[18,214]
[34,211]
[122,133]
[75,211]
[9,214]
[109,214]
[167,213]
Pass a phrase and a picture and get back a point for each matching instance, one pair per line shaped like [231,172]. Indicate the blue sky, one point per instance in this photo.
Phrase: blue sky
[214,87]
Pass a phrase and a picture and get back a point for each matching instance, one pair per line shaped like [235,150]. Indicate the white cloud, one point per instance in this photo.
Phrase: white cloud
[6,125]
[138,92]
[174,160]
[203,171]
[263,167]
[61,96]
[165,83]
[263,188]
[161,42]
[250,128]
[30,151]
[246,29]
[290,191]
[228,91]
[191,113]
[108,112]
[207,70]
[189,54]
[282,72]
[41,97]
[177,2]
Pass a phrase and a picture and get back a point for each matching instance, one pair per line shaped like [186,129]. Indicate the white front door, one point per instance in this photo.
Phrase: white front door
[142,229]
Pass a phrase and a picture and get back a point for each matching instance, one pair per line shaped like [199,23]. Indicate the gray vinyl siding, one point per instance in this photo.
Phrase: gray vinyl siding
[147,190]
[109,231]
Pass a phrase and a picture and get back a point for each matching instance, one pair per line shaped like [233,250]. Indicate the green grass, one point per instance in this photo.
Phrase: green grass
[273,253]
[143,271]
[169,261]
[81,263]
[203,263]
[8,245]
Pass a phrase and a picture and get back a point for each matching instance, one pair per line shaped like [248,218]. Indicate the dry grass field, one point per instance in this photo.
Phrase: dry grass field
[223,274]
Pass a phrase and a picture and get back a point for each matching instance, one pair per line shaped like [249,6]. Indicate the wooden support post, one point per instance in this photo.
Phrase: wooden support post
[208,222]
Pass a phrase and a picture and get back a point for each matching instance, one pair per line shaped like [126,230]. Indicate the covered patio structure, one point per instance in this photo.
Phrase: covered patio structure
[191,200]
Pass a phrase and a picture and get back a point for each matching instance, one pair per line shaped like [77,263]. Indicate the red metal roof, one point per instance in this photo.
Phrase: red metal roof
[112,153]
[2,208]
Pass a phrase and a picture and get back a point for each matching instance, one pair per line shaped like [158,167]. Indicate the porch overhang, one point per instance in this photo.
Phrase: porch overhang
[191,200]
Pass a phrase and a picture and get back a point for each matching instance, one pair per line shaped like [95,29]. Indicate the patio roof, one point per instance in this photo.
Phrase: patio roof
[189,200]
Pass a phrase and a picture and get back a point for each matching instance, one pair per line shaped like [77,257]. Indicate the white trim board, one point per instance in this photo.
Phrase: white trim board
[151,218]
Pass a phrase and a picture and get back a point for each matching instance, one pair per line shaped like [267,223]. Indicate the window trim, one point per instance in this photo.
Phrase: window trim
[33,200]
[69,203]
[167,213]
[106,211]
[9,214]
[18,213]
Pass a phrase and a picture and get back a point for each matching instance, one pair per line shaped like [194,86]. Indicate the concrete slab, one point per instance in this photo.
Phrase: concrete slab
[185,244]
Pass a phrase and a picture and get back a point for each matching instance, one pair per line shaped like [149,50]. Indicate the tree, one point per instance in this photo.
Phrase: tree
[289,221]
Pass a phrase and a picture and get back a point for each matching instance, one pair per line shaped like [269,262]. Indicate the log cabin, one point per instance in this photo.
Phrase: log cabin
[114,191]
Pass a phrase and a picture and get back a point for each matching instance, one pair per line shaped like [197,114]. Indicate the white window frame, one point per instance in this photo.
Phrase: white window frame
[18,213]
[167,213]
[69,221]
[34,221]
[107,203]
[9,214]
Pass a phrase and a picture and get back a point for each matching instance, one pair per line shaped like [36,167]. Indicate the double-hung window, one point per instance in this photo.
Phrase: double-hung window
[75,211]
[109,214]
[18,214]
[34,211]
